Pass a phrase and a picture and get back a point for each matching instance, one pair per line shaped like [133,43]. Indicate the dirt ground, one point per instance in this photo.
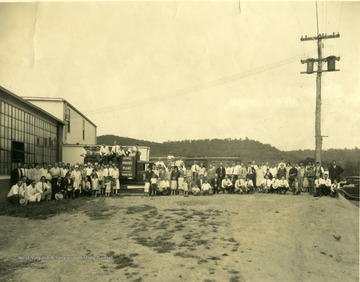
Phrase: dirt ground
[206,238]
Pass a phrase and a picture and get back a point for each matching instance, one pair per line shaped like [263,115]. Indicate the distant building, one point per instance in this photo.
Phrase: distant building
[28,134]
[78,132]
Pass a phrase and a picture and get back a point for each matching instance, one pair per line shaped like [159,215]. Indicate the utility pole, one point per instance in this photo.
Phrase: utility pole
[331,67]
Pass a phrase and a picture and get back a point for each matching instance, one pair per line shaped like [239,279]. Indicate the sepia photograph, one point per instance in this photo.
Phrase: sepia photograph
[197,141]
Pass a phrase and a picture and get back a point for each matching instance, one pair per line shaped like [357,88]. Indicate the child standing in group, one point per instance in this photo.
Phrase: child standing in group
[173,186]
[185,187]
[94,183]
[116,179]
[108,183]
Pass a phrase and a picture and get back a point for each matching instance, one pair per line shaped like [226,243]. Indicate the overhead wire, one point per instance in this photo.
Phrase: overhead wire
[192,89]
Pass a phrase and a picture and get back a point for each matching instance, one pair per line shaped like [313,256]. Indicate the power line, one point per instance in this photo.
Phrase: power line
[192,89]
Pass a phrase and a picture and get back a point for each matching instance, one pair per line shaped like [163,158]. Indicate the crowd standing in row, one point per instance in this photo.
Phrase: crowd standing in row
[33,183]
[175,177]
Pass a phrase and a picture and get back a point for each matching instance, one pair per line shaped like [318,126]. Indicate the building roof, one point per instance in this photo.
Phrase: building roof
[60,100]
[28,104]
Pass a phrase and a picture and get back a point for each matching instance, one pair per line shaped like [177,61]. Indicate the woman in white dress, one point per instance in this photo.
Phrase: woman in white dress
[259,176]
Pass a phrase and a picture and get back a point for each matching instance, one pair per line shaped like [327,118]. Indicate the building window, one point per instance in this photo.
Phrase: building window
[83,131]
[18,152]
[68,120]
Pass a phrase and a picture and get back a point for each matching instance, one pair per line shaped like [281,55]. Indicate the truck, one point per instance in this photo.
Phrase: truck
[132,162]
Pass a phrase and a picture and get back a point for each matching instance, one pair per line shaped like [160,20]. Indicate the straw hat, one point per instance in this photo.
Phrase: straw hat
[59,196]
[23,202]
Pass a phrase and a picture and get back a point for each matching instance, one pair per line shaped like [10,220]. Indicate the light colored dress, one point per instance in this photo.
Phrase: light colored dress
[259,176]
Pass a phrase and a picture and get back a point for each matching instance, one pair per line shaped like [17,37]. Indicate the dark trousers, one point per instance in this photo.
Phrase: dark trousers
[14,199]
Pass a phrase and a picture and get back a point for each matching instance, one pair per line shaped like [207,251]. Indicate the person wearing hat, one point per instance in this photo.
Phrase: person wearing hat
[335,171]
[76,177]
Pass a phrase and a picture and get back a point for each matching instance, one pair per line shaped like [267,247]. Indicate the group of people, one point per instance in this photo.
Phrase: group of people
[114,153]
[175,178]
[36,182]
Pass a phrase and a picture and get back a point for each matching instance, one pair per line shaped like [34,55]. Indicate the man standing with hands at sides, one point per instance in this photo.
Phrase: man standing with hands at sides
[220,171]
[16,174]
[335,171]
[195,171]
[115,150]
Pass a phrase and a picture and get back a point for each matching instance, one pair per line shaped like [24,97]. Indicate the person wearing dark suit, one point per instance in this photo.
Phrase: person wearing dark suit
[335,171]
[220,171]
[215,183]
[16,174]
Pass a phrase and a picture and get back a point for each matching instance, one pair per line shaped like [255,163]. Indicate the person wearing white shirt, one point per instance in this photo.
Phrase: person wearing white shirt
[334,190]
[43,188]
[44,170]
[249,185]
[265,185]
[32,194]
[242,171]
[236,170]
[322,185]
[160,163]
[273,170]
[327,184]
[206,188]
[115,149]
[226,184]
[228,170]
[116,178]
[202,170]
[164,186]
[239,186]
[195,170]
[195,190]
[104,151]
[283,185]
[13,196]
[76,177]
[275,185]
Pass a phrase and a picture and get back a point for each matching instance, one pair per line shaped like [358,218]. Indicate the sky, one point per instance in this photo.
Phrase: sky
[164,70]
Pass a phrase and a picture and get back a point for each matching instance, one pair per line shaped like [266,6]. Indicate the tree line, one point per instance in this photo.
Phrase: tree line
[244,149]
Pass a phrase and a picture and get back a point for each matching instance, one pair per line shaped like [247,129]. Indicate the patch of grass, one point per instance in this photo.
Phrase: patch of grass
[165,247]
[8,267]
[185,255]
[214,258]
[140,209]
[94,208]
[236,279]
[42,210]
[201,242]
[201,261]
[123,261]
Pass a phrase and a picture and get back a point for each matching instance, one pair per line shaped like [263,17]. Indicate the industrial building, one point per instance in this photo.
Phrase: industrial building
[37,132]
[78,131]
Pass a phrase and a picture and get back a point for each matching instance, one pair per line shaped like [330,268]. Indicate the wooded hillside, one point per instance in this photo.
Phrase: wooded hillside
[245,149]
